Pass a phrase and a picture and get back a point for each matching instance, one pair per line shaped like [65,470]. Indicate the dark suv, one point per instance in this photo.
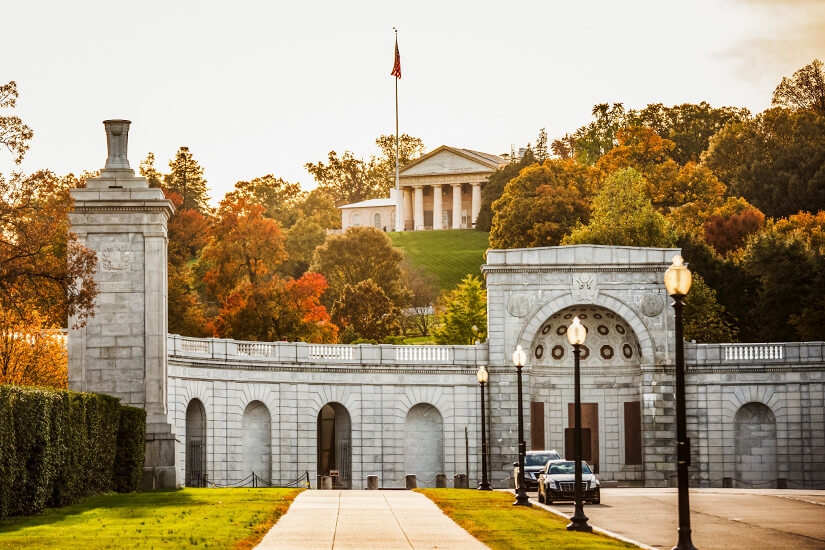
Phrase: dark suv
[534,462]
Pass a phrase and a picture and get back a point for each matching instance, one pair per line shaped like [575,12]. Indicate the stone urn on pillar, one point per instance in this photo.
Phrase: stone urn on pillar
[121,351]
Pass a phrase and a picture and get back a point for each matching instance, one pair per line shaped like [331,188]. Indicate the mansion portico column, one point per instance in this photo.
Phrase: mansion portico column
[408,207]
[456,205]
[418,207]
[476,204]
[438,216]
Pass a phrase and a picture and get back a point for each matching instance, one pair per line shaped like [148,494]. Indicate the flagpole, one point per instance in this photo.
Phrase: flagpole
[399,222]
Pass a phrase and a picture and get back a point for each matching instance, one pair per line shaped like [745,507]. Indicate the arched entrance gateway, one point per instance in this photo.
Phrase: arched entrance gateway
[195,445]
[611,391]
[334,445]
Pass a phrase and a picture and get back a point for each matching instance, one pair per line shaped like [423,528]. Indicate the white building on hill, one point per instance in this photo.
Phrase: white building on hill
[440,190]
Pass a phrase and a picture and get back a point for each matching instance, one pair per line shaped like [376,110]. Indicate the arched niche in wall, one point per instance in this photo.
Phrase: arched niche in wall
[335,444]
[257,441]
[195,453]
[424,448]
[755,433]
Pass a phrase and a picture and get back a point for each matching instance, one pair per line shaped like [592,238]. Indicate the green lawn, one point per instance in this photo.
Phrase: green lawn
[491,518]
[449,255]
[203,518]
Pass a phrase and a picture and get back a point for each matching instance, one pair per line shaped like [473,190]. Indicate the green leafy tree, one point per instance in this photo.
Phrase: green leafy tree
[348,179]
[595,139]
[302,239]
[776,161]
[464,318]
[688,126]
[318,206]
[542,204]
[14,135]
[409,149]
[359,254]
[705,319]
[423,287]
[147,170]
[805,90]
[278,197]
[622,215]
[367,310]
[186,179]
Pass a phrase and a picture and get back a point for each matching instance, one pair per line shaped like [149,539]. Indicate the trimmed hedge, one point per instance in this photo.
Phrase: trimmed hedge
[58,446]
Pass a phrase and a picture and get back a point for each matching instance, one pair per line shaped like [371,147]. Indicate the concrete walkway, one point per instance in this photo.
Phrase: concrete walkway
[366,519]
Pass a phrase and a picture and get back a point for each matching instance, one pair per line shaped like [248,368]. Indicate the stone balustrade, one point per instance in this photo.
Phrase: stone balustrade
[301,352]
[754,354]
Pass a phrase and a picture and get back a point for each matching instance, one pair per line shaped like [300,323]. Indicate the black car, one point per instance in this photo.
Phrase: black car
[534,462]
[557,482]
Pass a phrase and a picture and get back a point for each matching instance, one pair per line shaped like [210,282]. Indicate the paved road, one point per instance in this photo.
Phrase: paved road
[721,519]
[366,519]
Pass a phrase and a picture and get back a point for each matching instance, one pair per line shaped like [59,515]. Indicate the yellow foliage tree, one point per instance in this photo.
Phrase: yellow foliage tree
[31,352]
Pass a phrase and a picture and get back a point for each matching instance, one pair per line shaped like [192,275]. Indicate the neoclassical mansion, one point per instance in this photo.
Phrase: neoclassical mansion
[221,410]
[439,190]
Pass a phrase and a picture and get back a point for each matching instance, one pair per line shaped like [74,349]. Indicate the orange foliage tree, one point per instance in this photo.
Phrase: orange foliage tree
[244,250]
[730,225]
[31,353]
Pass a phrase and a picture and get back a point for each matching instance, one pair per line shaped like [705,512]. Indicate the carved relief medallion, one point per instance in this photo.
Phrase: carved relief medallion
[115,258]
[585,288]
[651,304]
[518,305]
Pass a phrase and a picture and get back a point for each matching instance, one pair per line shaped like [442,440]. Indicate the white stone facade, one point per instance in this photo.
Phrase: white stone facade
[220,410]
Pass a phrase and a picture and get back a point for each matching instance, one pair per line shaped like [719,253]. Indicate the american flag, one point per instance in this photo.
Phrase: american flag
[396,68]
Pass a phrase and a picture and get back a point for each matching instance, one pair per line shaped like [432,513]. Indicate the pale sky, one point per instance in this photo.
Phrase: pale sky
[263,87]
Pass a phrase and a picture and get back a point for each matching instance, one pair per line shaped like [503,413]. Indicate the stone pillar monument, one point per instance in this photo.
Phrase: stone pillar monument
[122,349]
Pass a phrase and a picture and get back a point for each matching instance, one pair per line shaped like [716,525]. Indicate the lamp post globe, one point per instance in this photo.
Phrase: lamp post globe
[482,376]
[576,335]
[677,281]
[519,359]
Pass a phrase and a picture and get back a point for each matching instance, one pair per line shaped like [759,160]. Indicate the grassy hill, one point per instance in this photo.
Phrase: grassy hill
[449,255]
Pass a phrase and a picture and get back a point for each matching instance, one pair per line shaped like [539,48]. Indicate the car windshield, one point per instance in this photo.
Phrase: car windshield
[539,459]
[567,468]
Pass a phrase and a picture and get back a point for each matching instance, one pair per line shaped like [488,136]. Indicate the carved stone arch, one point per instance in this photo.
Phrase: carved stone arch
[430,395]
[195,389]
[530,330]
[742,395]
[257,392]
[335,394]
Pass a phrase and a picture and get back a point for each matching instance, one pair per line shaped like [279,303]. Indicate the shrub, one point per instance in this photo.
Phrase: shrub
[57,447]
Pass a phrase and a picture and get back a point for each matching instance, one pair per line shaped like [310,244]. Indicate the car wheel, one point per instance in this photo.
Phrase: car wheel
[598,498]
[548,501]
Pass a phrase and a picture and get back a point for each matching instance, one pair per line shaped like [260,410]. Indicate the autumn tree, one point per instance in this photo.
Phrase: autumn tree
[367,310]
[277,309]
[730,225]
[244,246]
[278,197]
[42,264]
[359,254]
[493,188]
[464,314]
[319,206]
[622,215]
[776,161]
[805,90]
[810,227]
[14,134]
[542,204]
[32,353]
[670,185]
[186,179]
[187,314]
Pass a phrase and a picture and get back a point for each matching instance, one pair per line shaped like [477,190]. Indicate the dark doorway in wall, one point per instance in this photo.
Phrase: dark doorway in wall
[195,474]
[590,420]
[334,445]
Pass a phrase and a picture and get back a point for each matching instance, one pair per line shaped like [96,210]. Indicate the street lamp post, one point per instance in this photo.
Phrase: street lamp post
[576,333]
[677,282]
[519,358]
[482,376]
